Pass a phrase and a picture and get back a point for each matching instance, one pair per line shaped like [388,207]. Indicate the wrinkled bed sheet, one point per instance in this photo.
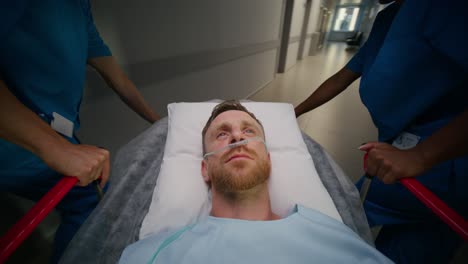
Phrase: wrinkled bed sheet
[116,222]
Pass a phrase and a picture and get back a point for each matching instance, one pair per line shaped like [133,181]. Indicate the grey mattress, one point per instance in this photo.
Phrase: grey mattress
[116,222]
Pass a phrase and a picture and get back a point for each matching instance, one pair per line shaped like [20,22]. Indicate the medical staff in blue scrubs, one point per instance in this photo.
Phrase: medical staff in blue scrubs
[44,49]
[414,82]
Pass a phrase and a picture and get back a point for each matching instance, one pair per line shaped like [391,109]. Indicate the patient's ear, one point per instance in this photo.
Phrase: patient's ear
[204,171]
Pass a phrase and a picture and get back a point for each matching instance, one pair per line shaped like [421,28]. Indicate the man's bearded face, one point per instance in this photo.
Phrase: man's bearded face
[243,167]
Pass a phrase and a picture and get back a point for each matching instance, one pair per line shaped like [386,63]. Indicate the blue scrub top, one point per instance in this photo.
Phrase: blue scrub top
[43,53]
[414,70]
[414,67]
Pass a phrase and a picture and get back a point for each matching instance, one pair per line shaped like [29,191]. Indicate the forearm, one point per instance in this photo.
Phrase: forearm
[23,127]
[449,142]
[390,164]
[119,82]
[327,91]
[324,93]
[130,95]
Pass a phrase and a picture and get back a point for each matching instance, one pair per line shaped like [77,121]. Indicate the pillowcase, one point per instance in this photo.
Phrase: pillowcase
[181,196]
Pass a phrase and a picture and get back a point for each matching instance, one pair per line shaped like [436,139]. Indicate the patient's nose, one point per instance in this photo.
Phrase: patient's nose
[237,136]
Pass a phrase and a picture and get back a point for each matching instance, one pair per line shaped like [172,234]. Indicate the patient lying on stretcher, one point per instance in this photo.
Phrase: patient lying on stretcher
[241,227]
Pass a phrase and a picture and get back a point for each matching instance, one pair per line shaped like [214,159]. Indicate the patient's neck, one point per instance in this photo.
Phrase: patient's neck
[253,204]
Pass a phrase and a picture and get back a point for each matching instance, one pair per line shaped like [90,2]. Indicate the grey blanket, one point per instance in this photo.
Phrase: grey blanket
[116,222]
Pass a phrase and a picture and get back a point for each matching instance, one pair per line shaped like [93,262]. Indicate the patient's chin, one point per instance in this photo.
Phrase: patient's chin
[240,175]
[239,165]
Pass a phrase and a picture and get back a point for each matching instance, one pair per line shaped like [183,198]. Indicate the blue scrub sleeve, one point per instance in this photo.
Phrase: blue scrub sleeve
[356,64]
[10,13]
[96,46]
[445,29]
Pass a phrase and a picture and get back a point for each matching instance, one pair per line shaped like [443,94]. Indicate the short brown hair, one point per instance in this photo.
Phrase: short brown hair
[223,107]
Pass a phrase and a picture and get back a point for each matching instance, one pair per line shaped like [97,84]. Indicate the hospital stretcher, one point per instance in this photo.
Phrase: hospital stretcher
[18,233]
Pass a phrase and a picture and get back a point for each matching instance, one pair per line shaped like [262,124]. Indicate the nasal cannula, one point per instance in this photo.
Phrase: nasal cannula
[235,145]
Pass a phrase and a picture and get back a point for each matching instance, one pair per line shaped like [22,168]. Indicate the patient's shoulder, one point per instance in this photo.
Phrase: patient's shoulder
[148,248]
[317,217]
[143,250]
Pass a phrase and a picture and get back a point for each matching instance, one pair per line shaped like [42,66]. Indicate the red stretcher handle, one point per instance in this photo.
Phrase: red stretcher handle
[23,228]
[445,213]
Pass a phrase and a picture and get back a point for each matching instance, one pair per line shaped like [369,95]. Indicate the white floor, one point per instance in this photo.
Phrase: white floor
[340,125]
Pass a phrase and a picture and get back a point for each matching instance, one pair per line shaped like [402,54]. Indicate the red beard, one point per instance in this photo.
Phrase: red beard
[239,175]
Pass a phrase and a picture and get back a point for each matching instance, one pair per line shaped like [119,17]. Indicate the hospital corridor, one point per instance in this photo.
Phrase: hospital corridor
[353,71]
[342,124]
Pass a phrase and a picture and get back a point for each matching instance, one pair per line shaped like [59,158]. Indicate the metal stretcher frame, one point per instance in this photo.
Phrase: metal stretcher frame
[23,228]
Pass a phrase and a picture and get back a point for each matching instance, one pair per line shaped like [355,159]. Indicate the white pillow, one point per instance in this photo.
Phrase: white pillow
[181,196]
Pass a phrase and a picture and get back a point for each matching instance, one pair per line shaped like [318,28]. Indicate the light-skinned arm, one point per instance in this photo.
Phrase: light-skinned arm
[21,126]
[327,90]
[390,164]
[114,76]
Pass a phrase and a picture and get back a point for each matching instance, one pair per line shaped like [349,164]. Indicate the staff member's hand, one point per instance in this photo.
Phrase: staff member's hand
[389,163]
[85,162]
[20,126]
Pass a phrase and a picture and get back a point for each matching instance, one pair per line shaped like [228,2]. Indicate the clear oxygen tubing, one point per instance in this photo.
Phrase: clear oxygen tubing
[235,145]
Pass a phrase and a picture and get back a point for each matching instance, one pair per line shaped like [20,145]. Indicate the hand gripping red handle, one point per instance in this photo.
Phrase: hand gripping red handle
[445,213]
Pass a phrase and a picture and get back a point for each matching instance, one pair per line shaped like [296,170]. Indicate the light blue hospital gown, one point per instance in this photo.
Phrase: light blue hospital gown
[305,236]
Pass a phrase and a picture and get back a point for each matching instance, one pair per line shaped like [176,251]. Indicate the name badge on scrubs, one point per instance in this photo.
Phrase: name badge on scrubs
[62,125]
[406,141]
